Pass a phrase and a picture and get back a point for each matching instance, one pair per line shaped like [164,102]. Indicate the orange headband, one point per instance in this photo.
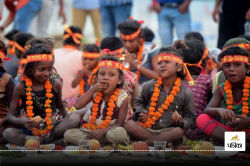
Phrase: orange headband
[77,37]
[131,36]
[20,48]
[234,58]
[108,63]
[11,50]
[118,52]
[91,55]
[2,56]
[40,57]
[242,45]
[174,58]
[205,54]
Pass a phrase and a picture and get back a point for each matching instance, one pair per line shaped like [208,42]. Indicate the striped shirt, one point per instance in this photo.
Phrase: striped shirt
[86,4]
[115,2]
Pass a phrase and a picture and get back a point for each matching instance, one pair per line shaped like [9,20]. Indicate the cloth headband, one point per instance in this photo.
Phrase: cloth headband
[40,57]
[91,55]
[119,53]
[234,58]
[174,58]
[2,56]
[131,36]
[108,63]
[77,37]
[242,45]
[20,48]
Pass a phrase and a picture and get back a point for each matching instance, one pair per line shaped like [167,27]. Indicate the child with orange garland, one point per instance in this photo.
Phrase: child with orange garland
[6,90]
[235,95]
[41,97]
[165,106]
[105,119]
[142,60]
[91,53]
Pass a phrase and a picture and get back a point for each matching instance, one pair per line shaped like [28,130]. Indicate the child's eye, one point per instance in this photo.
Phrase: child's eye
[226,65]
[101,74]
[50,69]
[41,69]
[237,64]
[159,63]
[112,74]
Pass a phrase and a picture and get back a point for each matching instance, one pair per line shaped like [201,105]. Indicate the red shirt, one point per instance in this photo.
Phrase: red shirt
[10,4]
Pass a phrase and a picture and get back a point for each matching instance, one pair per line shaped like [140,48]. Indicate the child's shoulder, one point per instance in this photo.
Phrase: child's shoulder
[6,77]
[185,92]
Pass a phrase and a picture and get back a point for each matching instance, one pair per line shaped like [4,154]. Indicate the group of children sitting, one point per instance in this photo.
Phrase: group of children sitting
[125,86]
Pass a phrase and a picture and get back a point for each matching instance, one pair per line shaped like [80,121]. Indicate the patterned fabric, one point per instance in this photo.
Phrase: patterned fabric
[38,104]
[130,80]
[102,109]
[203,85]
[115,2]
[86,4]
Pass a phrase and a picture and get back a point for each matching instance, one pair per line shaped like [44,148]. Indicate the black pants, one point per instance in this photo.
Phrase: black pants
[231,25]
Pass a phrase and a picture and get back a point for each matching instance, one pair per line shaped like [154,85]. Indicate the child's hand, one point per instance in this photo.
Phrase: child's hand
[97,134]
[177,119]
[100,86]
[142,116]
[28,124]
[241,123]
[226,114]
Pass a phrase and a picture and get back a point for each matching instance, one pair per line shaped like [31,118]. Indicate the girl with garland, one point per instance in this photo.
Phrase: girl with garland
[199,84]
[165,106]
[105,119]
[142,61]
[113,45]
[235,95]
[6,90]
[91,53]
[41,97]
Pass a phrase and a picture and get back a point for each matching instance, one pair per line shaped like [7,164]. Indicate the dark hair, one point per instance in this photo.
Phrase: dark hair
[10,35]
[149,34]
[112,43]
[177,50]
[4,49]
[35,41]
[111,58]
[30,67]
[193,55]
[129,27]
[21,38]
[69,40]
[194,36]
[91,48]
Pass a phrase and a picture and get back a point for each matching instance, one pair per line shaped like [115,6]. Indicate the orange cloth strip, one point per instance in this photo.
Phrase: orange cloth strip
[234,58]
[114,64]
[20,48]
[205,54]
[174,58]
[242,45]
[132,36]
[169,57]
[11,50]
[77,37]
[91,55]
[40,57]
[2,56]
[119,53]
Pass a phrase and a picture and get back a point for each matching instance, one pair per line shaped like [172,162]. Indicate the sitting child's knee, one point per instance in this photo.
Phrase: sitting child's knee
[74,118]
[178,132]
[9,134]
[128,124]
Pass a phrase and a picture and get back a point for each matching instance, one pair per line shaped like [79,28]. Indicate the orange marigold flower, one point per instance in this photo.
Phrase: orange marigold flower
[151,109]
[110,113]
[160,110]
[49,127]
[153,104]
[29,102]
[230,107]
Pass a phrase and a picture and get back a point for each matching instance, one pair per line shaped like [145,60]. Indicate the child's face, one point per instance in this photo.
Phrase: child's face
[91,62]
[235,71]
[131,45]
[110,76]
[168,68]
[43,71]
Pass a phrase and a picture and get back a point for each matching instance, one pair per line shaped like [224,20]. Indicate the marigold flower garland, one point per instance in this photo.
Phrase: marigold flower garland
[47,105]
[245,97]
[139,59]
[90,81]
[111,106]
[154,115]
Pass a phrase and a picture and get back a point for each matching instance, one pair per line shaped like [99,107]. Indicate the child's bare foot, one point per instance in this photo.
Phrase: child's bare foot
[114,146]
